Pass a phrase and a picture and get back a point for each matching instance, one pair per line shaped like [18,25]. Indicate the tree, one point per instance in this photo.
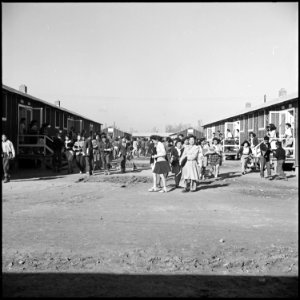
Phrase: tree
[154,129]
[177,127]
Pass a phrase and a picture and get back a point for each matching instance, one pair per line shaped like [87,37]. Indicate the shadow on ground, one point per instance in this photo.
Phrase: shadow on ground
[125,285]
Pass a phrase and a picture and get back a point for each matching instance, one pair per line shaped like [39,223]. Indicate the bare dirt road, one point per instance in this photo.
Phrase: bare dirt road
[66,235]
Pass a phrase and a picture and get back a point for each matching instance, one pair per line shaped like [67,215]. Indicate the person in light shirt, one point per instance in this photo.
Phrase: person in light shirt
[8,153]
[161,165]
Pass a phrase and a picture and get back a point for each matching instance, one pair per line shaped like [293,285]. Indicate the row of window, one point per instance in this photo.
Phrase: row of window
[261,122]
[47,115]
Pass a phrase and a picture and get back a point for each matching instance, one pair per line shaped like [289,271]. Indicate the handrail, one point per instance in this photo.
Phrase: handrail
[39,137]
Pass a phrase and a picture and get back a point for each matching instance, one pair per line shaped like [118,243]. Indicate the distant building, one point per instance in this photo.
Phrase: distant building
[148,134]
[115,133]
[198,134]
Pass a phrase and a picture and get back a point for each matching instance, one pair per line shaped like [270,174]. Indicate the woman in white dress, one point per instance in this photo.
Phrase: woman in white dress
[190,170]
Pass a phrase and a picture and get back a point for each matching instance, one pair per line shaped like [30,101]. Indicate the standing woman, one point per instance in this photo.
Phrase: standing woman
[215,153]
[254,149]
[246,154]
[96,152]
[77,148]
[108,153]
[202,158]
[69,153]
[161,165]
[190,170]
[176,153]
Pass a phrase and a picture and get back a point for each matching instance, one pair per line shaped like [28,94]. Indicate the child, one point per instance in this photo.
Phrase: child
[265,149]
[246,154]
[279,153]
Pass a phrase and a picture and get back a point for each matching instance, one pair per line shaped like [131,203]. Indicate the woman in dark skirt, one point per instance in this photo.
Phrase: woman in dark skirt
[215,152]
[161,165]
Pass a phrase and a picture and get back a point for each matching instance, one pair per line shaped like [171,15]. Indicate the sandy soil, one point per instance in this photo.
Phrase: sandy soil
[108,236]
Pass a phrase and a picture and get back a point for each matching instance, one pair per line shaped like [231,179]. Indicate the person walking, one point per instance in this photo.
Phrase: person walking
[77,148]
[123,152]
[190,170]
[106,149]
[96,153]
[87,151]
[246,154]
[202,158]
[215,153]
[176,153]
[161,166]
[255,150]
[58,148]
[69,153]
[8,154]
[265,149]
[280,155]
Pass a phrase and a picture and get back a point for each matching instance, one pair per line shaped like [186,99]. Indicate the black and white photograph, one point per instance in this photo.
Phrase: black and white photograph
[150,149]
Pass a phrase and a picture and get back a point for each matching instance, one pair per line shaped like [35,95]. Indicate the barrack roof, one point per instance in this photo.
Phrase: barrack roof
[258,107]
[45,102]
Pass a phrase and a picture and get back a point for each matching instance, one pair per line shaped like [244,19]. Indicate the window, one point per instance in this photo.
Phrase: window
[56,119]
[65,121]
[4,107]
[48,115]
[250,122]
[242,124]
[261,120]
[91,127]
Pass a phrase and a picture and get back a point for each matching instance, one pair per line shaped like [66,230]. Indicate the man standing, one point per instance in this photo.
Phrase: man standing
[8,153]
[88,153]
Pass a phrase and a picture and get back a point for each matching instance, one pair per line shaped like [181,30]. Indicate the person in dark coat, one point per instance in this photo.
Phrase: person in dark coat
[58,148]
[88,154]
[175,154]
[265,149]
[280,156]
[124,148]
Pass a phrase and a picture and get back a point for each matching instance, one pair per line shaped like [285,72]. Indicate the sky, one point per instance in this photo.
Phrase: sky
[146,65]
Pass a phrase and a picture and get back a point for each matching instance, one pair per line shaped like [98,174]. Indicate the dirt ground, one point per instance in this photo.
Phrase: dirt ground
[70,235]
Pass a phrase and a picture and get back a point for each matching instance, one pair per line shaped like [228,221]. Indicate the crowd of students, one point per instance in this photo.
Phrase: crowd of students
[187,158]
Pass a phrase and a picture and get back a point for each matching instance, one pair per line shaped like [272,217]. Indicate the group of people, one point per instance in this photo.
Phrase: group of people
[186,157]
[258,155]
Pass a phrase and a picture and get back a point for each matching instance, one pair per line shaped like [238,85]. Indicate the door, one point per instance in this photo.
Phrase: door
[279,118]
[26,113]
[78,126]
[70,124]
[290,117]
[231,127]
[37,114]
[274,118]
